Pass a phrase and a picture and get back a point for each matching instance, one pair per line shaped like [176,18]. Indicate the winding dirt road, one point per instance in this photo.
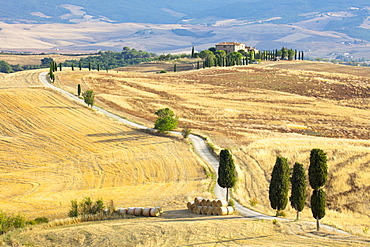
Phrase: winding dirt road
[199,146]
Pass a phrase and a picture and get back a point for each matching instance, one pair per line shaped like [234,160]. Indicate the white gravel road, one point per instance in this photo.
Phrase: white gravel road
[199,146]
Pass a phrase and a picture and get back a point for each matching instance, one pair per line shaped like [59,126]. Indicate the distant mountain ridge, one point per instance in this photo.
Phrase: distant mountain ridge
[166,26]
[167,11]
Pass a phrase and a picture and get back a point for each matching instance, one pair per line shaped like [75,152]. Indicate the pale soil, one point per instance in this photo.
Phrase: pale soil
[261,112]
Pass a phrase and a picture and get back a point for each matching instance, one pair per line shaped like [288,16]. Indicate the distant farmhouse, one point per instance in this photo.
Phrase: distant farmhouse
[234,46]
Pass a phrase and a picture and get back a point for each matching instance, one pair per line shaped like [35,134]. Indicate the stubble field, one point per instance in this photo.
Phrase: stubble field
[54,151]
[260,112]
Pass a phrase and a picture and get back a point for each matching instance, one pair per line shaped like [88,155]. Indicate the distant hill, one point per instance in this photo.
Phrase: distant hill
[323,27]
[167,11]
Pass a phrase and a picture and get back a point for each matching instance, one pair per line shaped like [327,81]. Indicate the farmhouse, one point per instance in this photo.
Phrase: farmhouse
[233,46]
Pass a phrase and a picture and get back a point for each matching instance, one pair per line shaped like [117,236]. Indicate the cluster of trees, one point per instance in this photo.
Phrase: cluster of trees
[213,57]
[280,183]
[5,67]
[109,59]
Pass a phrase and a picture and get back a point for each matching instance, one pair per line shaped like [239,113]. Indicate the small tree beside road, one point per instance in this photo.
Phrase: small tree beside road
[226,171]
[89,96]
[166,120]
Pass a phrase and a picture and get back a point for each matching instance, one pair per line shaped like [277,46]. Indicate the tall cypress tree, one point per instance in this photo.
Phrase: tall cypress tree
[192,52]
[318,175]
[80,65]
[60,66]
[175,68]
[226,171]
[89,66]
[73,67]
[279,185]
[298,180]
[79,90]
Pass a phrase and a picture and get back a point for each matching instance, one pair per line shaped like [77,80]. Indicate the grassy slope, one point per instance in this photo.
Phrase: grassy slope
[260,112]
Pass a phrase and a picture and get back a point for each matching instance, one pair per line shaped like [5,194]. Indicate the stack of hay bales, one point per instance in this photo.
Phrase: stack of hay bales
[140,211]
[210,207]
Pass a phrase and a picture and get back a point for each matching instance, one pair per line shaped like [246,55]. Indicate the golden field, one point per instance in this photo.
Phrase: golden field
[259,112]
[53,150]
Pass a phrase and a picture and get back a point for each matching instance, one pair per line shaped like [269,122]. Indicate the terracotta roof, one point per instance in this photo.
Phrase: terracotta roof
[229,43]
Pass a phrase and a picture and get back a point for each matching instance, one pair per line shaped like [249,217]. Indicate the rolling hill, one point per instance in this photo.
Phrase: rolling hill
[321,28]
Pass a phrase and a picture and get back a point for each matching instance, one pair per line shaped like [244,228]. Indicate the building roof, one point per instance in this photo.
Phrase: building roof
[229,43]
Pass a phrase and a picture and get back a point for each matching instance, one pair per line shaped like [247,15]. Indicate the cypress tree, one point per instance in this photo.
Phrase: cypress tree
[79,90]
[98,67]
[226,171]
[80,65]
[89,66]
[318,175]
[318,170]
[175,68]
[295,55]
[279,185]
[192,52]
[318,202]
[302,56]
[298,180]
[73,67]
[60,66]
[198,65]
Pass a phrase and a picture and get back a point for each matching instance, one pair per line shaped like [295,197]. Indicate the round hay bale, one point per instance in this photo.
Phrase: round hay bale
[209,210]
[204,209]
[198,201]
[222,211]
[131,211]
[214,210]
[221,203]
[209,203]
[230,210]
[190,205]
[204,202]
[198,209]
[154,212]
[122,211]
[138,211]
[146,212]
[160,210]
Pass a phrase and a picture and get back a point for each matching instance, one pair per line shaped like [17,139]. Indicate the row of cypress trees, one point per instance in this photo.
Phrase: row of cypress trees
[280,181]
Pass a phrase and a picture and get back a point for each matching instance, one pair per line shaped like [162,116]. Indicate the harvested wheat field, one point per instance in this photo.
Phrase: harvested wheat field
[23,59]
[53,150]
[260,112]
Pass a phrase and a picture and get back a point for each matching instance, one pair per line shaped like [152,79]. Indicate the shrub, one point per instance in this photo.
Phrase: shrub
[185,132]
[86,207]
[11,222]
[231,203]
[253,202]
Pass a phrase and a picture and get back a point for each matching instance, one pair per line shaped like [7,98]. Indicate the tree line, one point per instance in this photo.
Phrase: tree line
[213,57]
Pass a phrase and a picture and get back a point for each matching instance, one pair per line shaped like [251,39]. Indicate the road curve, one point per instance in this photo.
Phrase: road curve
[199,146]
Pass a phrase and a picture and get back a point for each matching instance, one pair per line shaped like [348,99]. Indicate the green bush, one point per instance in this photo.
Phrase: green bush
[86,207]
[11,222]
